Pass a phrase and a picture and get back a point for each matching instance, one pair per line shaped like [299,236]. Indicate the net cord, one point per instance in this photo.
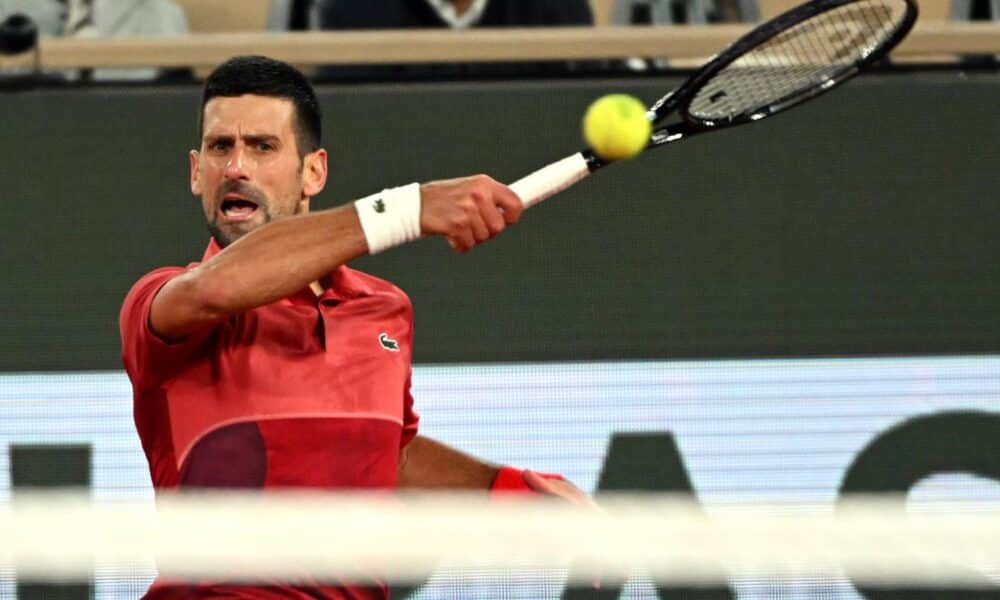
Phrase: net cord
[671,539]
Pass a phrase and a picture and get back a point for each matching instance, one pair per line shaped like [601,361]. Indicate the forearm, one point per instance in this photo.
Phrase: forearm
[284,256]
[263,266]
[281,258]
[287,255]
[427,464]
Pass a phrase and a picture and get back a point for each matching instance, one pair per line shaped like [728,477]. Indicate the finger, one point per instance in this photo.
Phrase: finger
[462,241]
[493,218]
[573,495]
[536,482]
[480,231]
[509,203]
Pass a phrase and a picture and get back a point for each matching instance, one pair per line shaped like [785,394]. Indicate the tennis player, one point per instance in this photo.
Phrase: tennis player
[271,364]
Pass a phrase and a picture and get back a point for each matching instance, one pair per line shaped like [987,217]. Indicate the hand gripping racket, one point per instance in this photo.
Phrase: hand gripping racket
[794,57]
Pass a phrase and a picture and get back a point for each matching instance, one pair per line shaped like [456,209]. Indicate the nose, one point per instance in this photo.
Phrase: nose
[237,166]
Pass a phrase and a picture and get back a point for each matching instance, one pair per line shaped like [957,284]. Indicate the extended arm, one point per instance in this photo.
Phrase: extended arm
[430,465]
[427,464]
[267,264]
[286,255]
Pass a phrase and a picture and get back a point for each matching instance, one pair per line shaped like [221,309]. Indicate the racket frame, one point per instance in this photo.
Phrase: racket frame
[562,174]
[679,99]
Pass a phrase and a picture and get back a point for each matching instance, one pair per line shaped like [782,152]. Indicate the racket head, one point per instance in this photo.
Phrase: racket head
[792,58]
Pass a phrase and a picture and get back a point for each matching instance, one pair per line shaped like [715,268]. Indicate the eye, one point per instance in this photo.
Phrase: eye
[219,145]
[265,146]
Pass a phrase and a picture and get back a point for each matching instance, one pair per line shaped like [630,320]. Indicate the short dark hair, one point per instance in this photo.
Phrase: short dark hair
[265,76]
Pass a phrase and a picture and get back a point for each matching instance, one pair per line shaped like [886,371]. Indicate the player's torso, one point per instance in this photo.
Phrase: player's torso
[302,392]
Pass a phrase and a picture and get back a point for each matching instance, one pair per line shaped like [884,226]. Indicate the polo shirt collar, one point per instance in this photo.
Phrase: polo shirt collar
[344,282]
[212,250]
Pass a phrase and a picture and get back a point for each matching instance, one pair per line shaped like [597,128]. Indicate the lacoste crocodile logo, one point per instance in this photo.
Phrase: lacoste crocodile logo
[379,206]
[388,343]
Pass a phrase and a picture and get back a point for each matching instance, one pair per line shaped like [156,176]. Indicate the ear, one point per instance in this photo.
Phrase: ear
[313,173]
[193,157]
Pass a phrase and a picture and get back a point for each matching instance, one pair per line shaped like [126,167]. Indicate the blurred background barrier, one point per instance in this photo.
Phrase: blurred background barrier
[862,224]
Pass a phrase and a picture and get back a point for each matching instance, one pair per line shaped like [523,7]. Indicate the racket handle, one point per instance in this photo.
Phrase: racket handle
[551,179]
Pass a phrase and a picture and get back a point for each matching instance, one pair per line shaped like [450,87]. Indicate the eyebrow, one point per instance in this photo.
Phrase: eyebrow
[250,138]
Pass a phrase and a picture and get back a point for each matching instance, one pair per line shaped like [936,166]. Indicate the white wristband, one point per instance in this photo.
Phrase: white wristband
[391,217]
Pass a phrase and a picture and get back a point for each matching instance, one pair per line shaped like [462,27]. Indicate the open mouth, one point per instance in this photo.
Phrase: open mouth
[237,209]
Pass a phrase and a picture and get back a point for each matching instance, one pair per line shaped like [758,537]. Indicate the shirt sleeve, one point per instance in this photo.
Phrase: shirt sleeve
[410,417]
[148,359]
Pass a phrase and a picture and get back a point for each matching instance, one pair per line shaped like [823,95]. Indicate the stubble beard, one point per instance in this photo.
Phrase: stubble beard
[226,235]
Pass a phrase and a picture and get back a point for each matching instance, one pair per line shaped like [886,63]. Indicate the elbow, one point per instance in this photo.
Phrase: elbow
[211,299]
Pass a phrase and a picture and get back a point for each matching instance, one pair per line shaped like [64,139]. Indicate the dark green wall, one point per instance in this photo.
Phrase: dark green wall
[863,223]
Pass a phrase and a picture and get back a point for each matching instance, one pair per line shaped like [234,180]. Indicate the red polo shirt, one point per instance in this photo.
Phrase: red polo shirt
[305,392]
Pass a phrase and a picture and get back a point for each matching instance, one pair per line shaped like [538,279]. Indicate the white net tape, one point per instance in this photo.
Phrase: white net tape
[670,539]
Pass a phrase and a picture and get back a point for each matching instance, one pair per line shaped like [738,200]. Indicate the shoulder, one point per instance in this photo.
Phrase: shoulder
[142,292]
[359,283]
[153,279]
[149,359]
[376,299]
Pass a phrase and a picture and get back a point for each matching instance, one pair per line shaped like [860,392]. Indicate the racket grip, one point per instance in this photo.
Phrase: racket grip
[551,179]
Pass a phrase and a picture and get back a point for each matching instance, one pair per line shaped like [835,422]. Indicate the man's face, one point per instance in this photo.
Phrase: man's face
[248,170]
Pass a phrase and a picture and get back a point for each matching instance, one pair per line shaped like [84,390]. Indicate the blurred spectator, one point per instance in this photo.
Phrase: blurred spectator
[101,18]
[984,10]
[397,14]
[92,18]
[692,12]
[114,18]
[291,15]
[455,14]
[48,15]
[138,17]
[279,17]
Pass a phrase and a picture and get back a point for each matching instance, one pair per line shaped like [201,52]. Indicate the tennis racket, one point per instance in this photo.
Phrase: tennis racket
[794,57]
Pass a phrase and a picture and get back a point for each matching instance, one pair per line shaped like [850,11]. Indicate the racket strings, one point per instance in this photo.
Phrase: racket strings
[797,61]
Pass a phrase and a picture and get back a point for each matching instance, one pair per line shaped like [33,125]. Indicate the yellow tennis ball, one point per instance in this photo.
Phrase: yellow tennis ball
[615,127]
